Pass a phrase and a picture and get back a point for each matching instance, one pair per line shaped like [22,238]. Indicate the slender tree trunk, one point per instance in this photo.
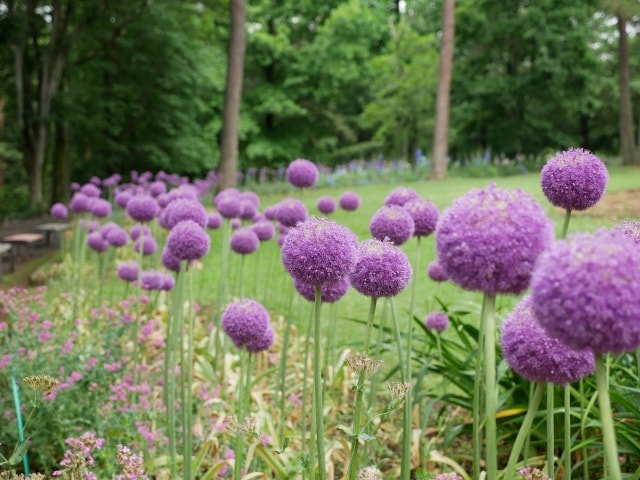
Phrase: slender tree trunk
[61,178]
[233,95]
[1,134]
[441,129]
[627,145]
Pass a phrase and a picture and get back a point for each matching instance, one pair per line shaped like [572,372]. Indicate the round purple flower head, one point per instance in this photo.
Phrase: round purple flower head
[381,269]
[59,210]
[490,238]
[264,229]
[244,241]
[117,237]
[393,223]
[128,271]
[438,321]
[291,211]
[534,355]
[214,221]
[168,282]
[585,292]
[107,227]
[319,251]
[329,292]
[629,229]
[302,173]
[142,208]
[248,209]
[263,342]
[245,321]
[96,242]
[100,208]
[349,201]
[425,216]
[90,190]
[253,197]
[228,203]
[122,198]
[188,241]
[270,212]
[574,179]
[436,272]
[400,195]
[170,261]
[136,229]
[79,203]
[157,188]
[151,280]
[326,205]
[149,245]
[236,223]
[184,209]
[95,180]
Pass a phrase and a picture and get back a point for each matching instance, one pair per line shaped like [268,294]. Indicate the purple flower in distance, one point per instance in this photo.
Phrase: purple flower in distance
[151,280]
[79,203]
[425,216]
[96,242]
[245,321]
[248,209]
[264,229]
[319,251]
[149,245]
[59,210]
[490,238]
[95,180]
[400,195]
[585,292]
[381,269]
[329,292]
[574,179]
[214,221]
[157,188]
[90,190]
[117,237]
[628,229]
[122,198]
[168,282]
[291,211]
[270,212]
[184,209]
[135,231]
[436,272]
[100,208]
[263,342]
[244,241]
[142,208]
[326,205]
[236,223]
[349,201]
[302,173]
[393,223]
[534,355]
[438,321]
[252,197]
[128,271]
[170,261]
[188,241]
[107,227]
[228,203]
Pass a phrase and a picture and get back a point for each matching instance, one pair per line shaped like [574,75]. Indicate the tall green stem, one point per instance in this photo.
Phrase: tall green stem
[567,432]
[550,432]
[565,225]
[318,388]
[477,391]
[491,393]
[606,420]
[188,373]
[243,382]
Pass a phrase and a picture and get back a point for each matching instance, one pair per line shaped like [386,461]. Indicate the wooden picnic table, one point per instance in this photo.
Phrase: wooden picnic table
[6,248]
[52,229]
[19,240]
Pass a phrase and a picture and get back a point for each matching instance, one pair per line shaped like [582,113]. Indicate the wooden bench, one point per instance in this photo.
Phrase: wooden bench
[53,229]
[4,249]
[23,239]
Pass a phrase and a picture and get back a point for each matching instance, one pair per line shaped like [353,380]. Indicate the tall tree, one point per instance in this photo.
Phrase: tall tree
[441,130]
[233,95]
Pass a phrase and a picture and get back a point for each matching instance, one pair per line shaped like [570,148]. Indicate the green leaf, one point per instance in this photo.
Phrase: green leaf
[19,452]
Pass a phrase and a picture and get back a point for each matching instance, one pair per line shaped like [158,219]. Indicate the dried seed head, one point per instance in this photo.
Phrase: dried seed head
[41,383]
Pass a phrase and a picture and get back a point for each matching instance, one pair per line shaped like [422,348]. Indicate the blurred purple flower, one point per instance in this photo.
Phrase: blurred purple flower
[264,229]
[438,321]
[302,173]
[436,272]
[291,211]
[128,271]
[188,241]
[392,222]
[349,201]
[245,321]
[425,216]
[244,241]
[329,292]
[326,205]
[59,210]
[400,195]
[142,208]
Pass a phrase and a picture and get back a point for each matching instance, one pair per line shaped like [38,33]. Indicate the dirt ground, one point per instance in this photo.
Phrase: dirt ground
[621,204]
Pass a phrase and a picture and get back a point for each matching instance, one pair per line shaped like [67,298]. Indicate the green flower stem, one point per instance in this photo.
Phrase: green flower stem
[396,329]
[373,387]
[283,375]
[550,432]
[243,382]
[527,442]
[567,432]
[305,384]
[241,275]
[524,431]
[221,300]
[565,225]
[103,261]
[491,394]
[477,391]
[606,419]
[188,369]
[583,420]
[317,387]
[357,412]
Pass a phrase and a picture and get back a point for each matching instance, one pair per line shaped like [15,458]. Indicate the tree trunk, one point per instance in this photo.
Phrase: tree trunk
[61,178]
[233,95]
[1,132]
[441,129]
[627,144]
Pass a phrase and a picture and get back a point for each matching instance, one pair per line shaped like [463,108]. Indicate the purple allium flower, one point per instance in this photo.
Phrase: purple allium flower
[128,271]
[329,292]
[248,209]
[262,342]
[319,251]
[188,241]
[533,354]
[214,221]
[400,195]
[136,229]
[95,180]
[100,208]
[629,229]
[438,321]
[253,197]
[574,179]
[96,242]
[59,210]
[157,188]
[151,280]
[425,216]
[184,209]
[436,272]
[228,203]
[302,173]
[381,269]
[75,186]
[245,321]
[291,211]
[107,227]
[393,223]
[236,223]
[170,261]
[349,201]
[490,238]
[168,282]
[89,225]
[585,292]
[122,198]
[111,181]
[90,190]
[149,245]
[117,237]
[244,241]
[264,229]
[79,203]
[142,208]
[270,212]
[326,205]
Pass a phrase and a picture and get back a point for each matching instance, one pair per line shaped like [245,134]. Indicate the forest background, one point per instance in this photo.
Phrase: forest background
[96,87]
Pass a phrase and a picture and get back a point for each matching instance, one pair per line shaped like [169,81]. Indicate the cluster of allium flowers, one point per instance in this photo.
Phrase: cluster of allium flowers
[574,179]
[438,321]
[183,209]
[361,362]
[349,201]
[531,473]
[116,236]
[188,241]
[436,272]
[142,208]
[79,203]
[90,190]
[138,230]
[264,229]
[585,292]
[490,238]
[533,354]
[291,211]
[302,173]
[326,205]
[393,223]
[227,202]
[100,208]
[248,325]
[78,459]
[400,195]
[131,465]
[329,292]
[128,271]
[244,241]
[59,210]
[147,244]
[319,251]
[97,242]
[369,473]
[381,269]
[629,229]
[122,198]
[425,216]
